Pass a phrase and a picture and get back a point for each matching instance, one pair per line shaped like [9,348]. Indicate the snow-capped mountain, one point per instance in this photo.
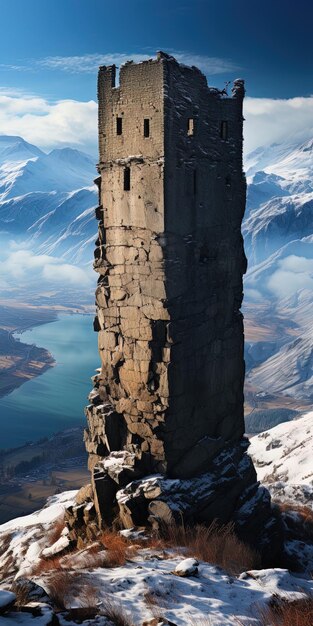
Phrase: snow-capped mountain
[46,200]
[280,198]
[24,169]
[278,235]
[16,149]
[288,371]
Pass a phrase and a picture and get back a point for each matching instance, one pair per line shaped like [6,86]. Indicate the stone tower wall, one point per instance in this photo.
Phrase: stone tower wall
[165,420]
[170,288]
[129,259]
[204,263]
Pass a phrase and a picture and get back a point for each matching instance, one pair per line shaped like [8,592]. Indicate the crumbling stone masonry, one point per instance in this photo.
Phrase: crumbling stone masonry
[165,423]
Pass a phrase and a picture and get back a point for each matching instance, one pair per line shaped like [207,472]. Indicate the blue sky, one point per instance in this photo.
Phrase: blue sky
[50,51]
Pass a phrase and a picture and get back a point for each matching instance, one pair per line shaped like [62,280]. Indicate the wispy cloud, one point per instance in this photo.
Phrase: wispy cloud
[294,273]
[270,120]
[15,67]
[89,63]
[208,65]
[49,124]
[74,123]
[23,265]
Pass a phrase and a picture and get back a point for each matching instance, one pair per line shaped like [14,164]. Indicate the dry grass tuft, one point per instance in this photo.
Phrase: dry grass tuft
[47,565]
[22,593]
[56,531]
[61,586]
[299,519]
[8,568]
[116,614]
[5,543]
[88,596]
[296,613]
[89,605]
[284,613]
[118,548]
[214,544]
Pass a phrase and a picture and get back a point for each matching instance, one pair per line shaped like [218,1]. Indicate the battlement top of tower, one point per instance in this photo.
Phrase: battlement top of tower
[146,65]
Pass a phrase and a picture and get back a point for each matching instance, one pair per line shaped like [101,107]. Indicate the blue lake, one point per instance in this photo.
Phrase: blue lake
[56,399]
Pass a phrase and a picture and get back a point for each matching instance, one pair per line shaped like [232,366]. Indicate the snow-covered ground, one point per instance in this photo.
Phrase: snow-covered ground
[150,584]
[283,459]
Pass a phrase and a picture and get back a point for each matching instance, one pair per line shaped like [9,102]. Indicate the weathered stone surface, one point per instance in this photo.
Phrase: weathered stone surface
[168,398]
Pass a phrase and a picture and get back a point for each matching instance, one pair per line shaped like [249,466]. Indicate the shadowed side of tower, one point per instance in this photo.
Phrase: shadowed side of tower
[165,430]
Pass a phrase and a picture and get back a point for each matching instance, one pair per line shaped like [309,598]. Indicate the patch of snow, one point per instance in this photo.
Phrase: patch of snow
[187,567]
[53,509]
[61,544]
[283,457]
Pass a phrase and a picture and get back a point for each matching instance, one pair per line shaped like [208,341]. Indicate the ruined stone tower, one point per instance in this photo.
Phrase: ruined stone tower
[165,423]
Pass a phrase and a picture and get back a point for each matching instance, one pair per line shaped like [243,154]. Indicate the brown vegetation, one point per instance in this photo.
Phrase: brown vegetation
[56,532]
[116,613]
[287,613]
[298,518]
[214,544]
[118,548]
[5,543]
[22,593]
[62,584]
[47,565]
[283,613]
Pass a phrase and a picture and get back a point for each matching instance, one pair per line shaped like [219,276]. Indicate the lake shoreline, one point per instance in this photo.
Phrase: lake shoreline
[58,375]
[21,362]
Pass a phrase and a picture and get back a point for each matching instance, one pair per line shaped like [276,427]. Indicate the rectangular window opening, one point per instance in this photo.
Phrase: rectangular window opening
[119,125]
[224,130]
[127,179]
[190,127]
[146,127]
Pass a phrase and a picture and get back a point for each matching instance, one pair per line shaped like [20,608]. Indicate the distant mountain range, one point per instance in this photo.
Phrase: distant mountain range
[47,203]
[278,234]
[48,199]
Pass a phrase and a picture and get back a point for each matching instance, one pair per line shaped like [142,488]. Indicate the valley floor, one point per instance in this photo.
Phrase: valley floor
[19,362]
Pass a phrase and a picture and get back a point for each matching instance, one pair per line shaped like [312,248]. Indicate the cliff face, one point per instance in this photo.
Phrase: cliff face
[165,423]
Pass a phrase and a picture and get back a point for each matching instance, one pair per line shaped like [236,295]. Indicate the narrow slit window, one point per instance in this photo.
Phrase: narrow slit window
[190,127]
[194,182]
[224,130]
[127,179]
[119,125]
[146,127]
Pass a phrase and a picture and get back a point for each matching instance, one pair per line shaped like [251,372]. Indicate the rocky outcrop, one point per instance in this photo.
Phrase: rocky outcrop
[165,420]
